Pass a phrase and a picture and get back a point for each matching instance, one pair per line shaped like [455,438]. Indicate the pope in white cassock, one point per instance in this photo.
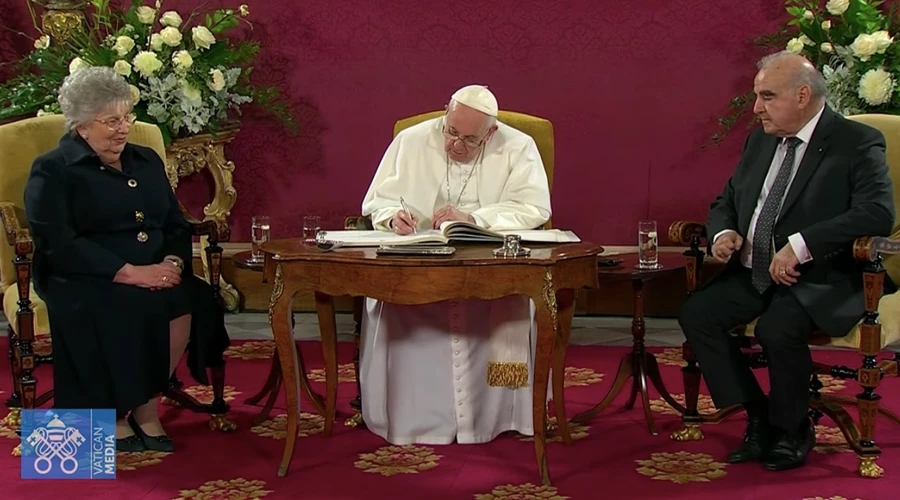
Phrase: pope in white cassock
[455,370]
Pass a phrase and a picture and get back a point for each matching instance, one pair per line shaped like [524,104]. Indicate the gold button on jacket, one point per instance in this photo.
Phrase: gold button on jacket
[132,183]
[142,237]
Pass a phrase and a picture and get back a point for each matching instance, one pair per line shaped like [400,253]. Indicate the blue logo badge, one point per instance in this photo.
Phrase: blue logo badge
[68,444]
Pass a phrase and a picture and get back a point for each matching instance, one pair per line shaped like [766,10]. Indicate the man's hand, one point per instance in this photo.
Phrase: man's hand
[783,267]
[403,224]
[726,245]
[449,213]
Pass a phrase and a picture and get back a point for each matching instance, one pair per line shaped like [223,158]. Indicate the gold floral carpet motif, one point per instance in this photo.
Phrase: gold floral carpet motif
[525,491]
[346,373]
[393,460]
[612,456]
[580,377]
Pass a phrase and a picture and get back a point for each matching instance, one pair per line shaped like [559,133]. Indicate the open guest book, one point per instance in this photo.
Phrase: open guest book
[462,232]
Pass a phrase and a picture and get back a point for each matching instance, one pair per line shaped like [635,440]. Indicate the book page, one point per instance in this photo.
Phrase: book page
[360,238]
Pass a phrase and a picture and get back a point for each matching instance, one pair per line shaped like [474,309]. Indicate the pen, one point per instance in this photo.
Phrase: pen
[408,214]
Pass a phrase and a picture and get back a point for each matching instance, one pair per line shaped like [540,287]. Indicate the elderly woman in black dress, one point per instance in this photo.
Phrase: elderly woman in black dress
[112,261]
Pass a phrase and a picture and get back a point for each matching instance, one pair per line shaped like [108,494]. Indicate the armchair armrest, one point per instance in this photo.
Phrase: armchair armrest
[16,236]
[20,239]
[870,248]
[213,230]
[358,223]
[215,233]
[683,232]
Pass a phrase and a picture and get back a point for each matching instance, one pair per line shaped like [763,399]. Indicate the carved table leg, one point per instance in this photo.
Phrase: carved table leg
[566,304]
[286,348]
[272,387]
[547,330]
[637,364]
[357,419]
[328,332]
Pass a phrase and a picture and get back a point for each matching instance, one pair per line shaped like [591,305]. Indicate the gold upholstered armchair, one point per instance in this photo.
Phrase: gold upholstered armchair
[29,327]
[540,129]
[877,332]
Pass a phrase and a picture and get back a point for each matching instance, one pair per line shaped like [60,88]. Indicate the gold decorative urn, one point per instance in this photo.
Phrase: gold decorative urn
[61,18]
[206,152]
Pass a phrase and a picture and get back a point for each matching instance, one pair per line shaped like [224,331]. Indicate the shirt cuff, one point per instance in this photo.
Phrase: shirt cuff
[478,220]
[720,233]
[798,244]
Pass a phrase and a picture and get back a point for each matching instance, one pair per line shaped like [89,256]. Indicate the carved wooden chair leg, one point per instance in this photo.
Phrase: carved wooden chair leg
[691,418]
[218,410]
[14,402]
[357,420]
[869,375]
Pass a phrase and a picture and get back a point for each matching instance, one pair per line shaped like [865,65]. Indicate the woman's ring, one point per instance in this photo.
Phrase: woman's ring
[166,278]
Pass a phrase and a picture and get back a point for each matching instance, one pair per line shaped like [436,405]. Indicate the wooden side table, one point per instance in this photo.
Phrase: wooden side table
[637,364]
[272,386]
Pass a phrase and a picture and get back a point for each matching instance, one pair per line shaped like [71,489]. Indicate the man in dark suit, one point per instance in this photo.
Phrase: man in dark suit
[808,183]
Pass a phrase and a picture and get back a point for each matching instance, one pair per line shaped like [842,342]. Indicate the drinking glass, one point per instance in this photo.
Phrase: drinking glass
[647,245]
[259,228]
[311,227]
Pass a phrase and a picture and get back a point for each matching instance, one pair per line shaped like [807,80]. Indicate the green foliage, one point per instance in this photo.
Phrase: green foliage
[187,76]
[851,42]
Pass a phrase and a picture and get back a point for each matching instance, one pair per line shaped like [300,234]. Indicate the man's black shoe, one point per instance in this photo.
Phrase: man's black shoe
[757,438]
[791,448]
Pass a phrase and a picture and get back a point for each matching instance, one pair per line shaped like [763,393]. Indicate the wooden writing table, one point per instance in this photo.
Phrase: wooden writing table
[549,276]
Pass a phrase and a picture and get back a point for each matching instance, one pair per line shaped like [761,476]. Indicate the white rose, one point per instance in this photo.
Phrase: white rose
[864,47]
[146,15]
[146,63]
[156,42]
[135,94]
[77,64]
[190,92]
[808,15]
[826,25]
[122,67]
[244,10]
[806,40]
[882,40]
[216,81]
[876,87]
[795,45]
[827,48]
[42,43]
[170,36]
[123,45]
[170,18]
[203,38]
[182,60]
[837,7]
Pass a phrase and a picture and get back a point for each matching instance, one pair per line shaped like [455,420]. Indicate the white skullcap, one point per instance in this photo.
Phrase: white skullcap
[477,97]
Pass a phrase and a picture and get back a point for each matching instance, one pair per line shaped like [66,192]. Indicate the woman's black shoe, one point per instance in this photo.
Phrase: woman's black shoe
[155,443]
[132,443]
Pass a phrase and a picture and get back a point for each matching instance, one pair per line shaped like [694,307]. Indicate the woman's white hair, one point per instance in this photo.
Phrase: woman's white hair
[90,91]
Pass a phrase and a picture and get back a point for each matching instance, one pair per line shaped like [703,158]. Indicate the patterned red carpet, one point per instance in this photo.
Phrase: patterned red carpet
[613,457]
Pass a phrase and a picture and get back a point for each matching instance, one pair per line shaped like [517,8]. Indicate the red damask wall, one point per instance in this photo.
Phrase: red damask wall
[633,90]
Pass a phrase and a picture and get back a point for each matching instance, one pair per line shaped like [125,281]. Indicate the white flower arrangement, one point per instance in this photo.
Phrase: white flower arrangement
[186,76]
[852,42]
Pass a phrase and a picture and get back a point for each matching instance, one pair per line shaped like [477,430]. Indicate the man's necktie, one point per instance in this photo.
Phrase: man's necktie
[762,235]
